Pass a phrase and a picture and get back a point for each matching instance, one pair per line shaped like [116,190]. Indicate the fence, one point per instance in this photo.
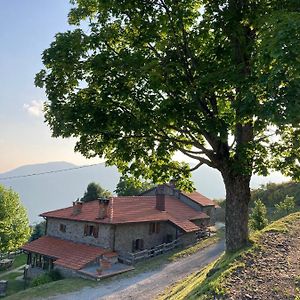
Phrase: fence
[132,258]
[203,234]
[10,254]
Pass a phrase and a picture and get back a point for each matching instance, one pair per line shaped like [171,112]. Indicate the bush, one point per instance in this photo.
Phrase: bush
[53,275]
[286,207]
[42,279]
[258,218]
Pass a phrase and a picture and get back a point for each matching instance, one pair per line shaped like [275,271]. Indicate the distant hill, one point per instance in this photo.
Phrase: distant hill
[58,190]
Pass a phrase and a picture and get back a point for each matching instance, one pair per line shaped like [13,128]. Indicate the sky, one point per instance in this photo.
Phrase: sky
[26,29]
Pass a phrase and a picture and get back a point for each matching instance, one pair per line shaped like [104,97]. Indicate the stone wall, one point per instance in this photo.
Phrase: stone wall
[126,233]
[211,212]
[75,232]
[188,238]
[66,272]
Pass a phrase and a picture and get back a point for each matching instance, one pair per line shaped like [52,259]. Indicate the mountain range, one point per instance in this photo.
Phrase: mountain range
[58,189]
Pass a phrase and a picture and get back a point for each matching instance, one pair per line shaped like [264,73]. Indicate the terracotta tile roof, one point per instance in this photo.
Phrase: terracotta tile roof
[200,199]
[67,254]
[185,225]
[131,209]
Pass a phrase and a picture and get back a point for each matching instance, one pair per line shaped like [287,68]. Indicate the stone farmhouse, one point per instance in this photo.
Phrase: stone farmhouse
[80,236]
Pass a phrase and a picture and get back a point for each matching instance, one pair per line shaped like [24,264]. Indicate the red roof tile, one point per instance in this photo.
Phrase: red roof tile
[186,225]
[67,254]
[200,199]
[131,209]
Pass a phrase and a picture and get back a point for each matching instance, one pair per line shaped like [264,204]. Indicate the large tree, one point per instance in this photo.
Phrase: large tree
[131,186]
[14,225]
[93,192]
[216,80]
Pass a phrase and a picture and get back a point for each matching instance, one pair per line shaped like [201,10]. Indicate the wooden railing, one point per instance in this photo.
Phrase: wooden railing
[10,254]
[202,234]
[132,258]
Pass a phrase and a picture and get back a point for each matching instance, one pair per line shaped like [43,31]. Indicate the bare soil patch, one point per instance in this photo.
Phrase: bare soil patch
[272,272]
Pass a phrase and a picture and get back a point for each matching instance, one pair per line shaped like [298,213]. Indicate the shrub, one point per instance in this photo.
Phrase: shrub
[42,279]
[258,218]
[284,208]
[53,275]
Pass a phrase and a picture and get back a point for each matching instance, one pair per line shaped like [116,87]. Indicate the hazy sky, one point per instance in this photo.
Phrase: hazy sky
[26,29]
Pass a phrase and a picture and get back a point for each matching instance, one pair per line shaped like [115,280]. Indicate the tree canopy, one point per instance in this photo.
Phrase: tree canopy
[130,186]
[38,230]
[287,206]
[94,191]
[216,80]
[14,224]
[272,193]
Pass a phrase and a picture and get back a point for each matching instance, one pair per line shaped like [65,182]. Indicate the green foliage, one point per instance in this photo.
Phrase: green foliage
[143,66]
[272,193]
[14,225]
[284,208]
[150,78]
[94,191]
[42,279]
[38,231]
[131,186]
[53,275]
[258,218]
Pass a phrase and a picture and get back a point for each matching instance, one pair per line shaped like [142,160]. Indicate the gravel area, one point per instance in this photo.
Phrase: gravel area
[148,285]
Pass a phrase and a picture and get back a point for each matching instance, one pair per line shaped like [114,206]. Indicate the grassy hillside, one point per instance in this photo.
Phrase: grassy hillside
[268,269]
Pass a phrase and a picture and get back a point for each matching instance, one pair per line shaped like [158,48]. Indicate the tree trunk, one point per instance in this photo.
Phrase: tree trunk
[236,217]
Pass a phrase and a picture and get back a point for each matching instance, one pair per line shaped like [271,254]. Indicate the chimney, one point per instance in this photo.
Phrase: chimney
[103,208]
[172,183]
[77,206]
[160,198]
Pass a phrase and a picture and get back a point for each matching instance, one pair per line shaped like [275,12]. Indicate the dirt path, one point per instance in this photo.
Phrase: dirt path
[147,286]
[12,270]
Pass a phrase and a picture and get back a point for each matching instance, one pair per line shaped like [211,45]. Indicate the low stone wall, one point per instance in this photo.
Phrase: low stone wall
[65,272]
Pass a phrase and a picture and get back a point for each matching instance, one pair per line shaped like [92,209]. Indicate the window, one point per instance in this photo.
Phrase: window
[137,245]
[91,230]
[62,227]
[154,227]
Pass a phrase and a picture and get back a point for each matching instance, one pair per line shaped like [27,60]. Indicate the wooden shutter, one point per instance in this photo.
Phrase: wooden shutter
[157,227]
[95,231]
[141,244]
[86,228]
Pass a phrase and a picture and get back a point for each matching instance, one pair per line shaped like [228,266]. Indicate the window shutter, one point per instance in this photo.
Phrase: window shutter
[157,227]
[85,229]
[141,244]
[96,231]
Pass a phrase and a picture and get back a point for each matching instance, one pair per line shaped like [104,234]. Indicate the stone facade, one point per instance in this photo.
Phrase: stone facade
[118,237]
[66,272]
[125,234]
[75,232]
[188,238]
